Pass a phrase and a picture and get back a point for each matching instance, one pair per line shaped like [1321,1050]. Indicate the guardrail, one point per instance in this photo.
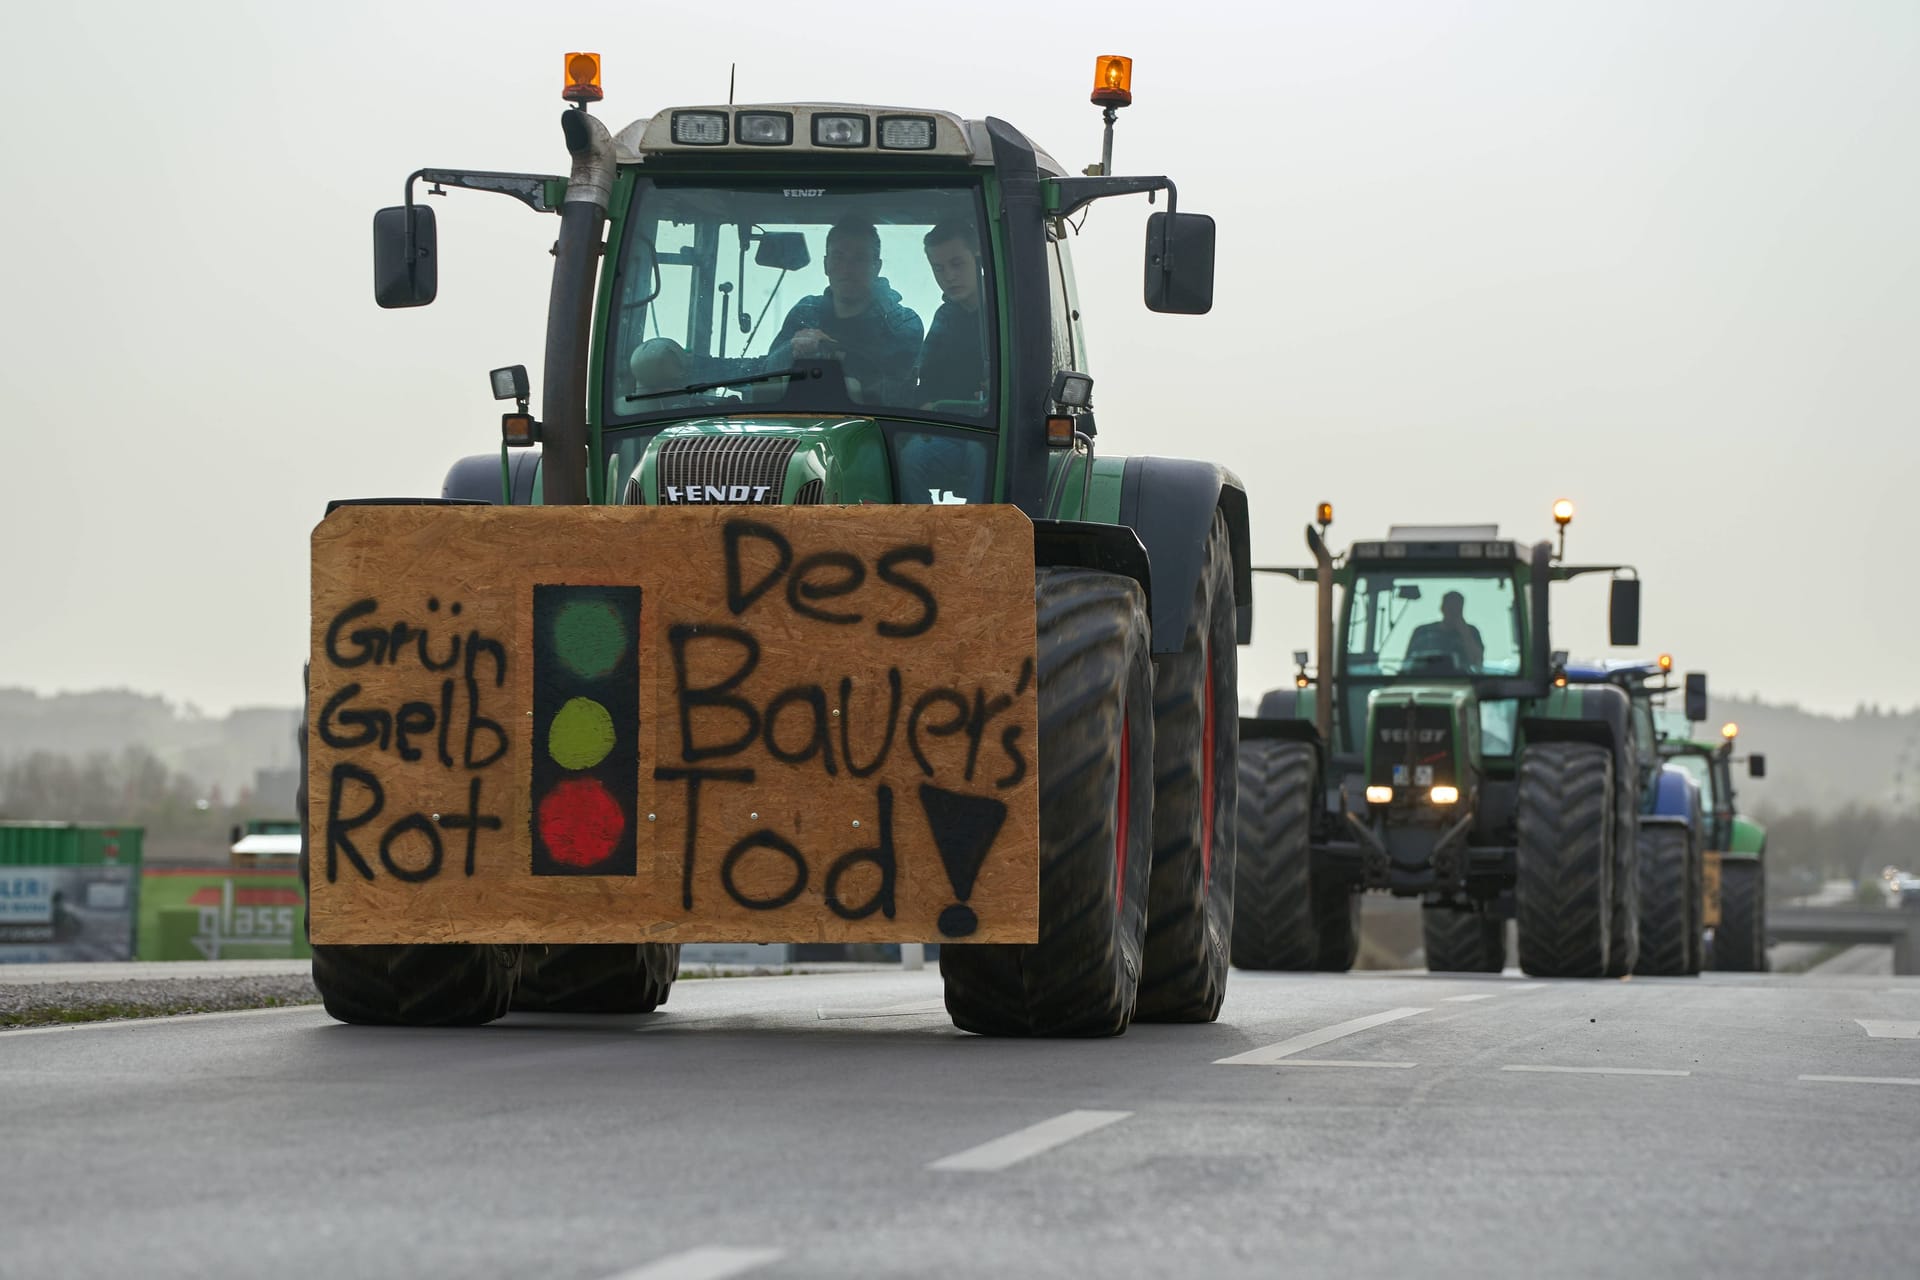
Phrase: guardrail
[1857,925]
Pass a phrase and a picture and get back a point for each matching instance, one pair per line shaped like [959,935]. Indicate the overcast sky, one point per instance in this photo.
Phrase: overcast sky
[1660,258]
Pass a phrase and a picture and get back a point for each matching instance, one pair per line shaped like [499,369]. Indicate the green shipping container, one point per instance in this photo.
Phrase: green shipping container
[68,844]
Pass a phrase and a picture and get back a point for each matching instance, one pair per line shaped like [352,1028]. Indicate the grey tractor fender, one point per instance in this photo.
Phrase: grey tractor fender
[1170,503]
[477,478]
[1599,714]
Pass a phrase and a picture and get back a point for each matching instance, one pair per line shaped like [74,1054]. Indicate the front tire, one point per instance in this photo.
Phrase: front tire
[1464,941]
[1096,825]
[597,977]
[1666,901]
[1283,918]
[1195,738]
[1740,940]
[1563,898]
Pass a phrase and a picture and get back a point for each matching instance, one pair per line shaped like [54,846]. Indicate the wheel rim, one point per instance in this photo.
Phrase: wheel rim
[1206,774]
[1120,808]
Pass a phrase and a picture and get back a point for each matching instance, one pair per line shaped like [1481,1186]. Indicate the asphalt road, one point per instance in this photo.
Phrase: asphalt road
[1374,1125]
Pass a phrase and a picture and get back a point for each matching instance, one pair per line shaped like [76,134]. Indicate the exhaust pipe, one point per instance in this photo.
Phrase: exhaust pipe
[576,257]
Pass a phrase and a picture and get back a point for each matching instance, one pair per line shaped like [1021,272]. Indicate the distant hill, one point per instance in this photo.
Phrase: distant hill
[228,752]
[1825,763]
[1822,763]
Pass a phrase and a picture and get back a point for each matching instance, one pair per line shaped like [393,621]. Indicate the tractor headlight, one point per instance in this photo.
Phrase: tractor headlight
[1444,795]
[700,128]
[1379,795]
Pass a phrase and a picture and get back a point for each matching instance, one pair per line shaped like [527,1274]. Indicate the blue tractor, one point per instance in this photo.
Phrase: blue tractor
[1672,835]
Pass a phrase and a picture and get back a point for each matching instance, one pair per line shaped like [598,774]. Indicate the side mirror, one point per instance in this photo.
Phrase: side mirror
[1184,242]
[1696,696]
[782,250]
[1756,765]
[406,270]
[1623,612]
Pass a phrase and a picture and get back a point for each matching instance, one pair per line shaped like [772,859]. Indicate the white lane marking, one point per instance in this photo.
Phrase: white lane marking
[990,1157]
[1863,1079]
[1272,1053]
[1526,986]
[910,1009]
[172,1019]
[1341,1062]
[1484,995]
[1600,1071]
[1883,1029]
[709,1262]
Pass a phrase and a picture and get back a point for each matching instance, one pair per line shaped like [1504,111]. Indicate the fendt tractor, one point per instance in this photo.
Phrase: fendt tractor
[1673,834]
[1433,754]
[804,612]
[1733,862]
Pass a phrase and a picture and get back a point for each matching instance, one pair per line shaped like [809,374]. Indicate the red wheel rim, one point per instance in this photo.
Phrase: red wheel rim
[1206,774]
[1120,807]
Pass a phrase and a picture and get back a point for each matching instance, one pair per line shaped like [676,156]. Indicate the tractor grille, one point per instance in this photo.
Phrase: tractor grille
[724,469]
[1412,746]
[808,495]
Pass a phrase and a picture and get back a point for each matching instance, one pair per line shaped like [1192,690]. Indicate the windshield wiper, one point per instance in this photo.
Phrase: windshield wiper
[697,387]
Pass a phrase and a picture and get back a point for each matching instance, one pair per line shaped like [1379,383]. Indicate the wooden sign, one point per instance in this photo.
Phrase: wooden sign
[644,724]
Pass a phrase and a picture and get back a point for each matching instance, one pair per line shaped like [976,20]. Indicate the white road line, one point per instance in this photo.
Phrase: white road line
[1600,1071]
[912,1008]
[1272,1053]
[1484,995]
[1863,1079]
[1882,1029]
[990,1157]
[165,1020]
[709,1262]
[1342,1062]
[1526,986]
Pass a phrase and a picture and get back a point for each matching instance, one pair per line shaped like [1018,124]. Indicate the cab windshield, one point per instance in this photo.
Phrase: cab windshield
[747,293]
[1414,623]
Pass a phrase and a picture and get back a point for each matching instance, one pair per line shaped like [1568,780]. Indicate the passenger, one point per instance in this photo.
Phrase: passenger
[953,363]
[1453,636]
[858,319]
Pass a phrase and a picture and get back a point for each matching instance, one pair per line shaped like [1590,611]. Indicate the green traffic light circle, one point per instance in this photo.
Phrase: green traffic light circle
[581,734]
[589,637]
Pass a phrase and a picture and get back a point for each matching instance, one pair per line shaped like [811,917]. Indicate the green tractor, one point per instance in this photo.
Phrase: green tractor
[801,304]
[1734,870]
[1437,754]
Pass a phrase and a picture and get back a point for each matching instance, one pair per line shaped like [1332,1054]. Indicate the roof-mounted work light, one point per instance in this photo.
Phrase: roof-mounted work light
[583,80]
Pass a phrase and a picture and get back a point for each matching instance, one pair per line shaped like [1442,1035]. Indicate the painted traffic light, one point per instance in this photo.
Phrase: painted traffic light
[586,723]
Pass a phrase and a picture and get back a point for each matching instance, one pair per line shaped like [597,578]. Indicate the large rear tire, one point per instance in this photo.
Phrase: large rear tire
[1696,902]
[597,977]
[1666,901]
[1562,898]
[1740,940]
[1282,918]
[1196,712]
[439,985]
[1464,941]
[1096,825]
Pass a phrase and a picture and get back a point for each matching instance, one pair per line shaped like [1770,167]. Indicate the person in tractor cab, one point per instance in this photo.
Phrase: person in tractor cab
[858,320]
[1452,639]
[953,363]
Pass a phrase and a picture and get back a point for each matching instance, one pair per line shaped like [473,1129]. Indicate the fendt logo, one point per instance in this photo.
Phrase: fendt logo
[1423,737]
[680,493]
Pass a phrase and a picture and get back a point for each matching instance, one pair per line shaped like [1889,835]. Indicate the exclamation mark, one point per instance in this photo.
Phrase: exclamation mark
[964,828]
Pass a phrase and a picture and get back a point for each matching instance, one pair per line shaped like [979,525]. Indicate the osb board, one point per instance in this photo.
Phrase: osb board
[826,731]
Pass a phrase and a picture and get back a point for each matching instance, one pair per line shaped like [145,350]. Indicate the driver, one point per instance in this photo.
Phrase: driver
[1452,634]
[858,319]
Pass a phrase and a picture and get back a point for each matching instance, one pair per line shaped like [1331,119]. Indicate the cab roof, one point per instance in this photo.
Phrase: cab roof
[954,136]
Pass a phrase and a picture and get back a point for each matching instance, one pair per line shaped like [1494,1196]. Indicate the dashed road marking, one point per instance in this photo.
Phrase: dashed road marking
[1597,1071]
[1342,1062]
[1885,1029]
[165,1020]
[1484,995]
[709,1262]
[1269,1054]
[910,1009]
[1862,1079]
[990,1157]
